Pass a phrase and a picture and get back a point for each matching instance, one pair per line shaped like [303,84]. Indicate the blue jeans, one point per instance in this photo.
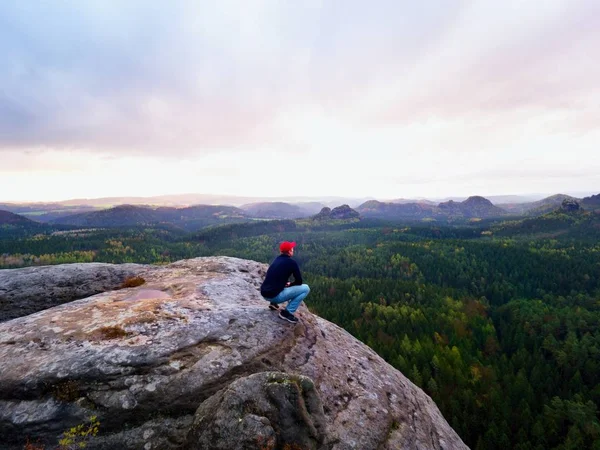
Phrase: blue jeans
[293,294]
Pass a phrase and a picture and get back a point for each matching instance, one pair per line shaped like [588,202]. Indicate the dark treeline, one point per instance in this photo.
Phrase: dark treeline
[498,323]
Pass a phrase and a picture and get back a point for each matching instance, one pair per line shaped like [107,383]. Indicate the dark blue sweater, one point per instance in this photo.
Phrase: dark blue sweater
[278,275]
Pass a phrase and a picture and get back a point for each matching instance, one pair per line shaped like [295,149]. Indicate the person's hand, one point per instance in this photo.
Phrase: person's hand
[288,284]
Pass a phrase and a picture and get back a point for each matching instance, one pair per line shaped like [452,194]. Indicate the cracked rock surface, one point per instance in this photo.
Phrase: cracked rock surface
[196,349]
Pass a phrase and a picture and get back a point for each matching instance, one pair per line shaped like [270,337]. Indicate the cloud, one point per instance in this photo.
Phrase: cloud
[186,76]
[363,98]
[499,59]
[130,77]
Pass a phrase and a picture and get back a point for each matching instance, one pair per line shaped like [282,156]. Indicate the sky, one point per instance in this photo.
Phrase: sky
[383,99]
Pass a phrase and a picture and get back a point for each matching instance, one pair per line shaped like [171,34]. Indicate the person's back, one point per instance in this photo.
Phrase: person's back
[276,287]
[278,275]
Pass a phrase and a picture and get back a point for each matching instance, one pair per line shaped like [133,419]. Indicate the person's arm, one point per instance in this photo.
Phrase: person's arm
[296,273]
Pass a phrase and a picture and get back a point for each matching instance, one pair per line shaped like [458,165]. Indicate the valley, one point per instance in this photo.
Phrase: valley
[496,318]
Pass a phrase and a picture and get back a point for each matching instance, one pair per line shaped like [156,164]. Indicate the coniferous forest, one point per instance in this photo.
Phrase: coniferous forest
[498,321]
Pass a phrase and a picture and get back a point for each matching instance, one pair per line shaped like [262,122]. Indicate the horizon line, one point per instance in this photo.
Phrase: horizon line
[298,198]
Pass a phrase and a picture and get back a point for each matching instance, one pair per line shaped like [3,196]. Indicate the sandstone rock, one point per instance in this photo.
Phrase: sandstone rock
[156,362]
[32,289]
[339,212]
[570,205]
[263,410]
[324,214]
[344,212]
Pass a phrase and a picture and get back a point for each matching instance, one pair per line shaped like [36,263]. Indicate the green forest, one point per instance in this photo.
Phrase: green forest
[498,321]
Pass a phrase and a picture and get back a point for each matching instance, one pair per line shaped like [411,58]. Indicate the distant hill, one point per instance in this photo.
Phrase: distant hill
[119,216]
[404,201]
[568,220]
[181,200]
[44,212]
[591,203]
[9,218]
[472,207]
[190,218]
[208,213]
[20,208]
[382,210]
[201,212]
[14,226]
[338,213]
[538,207]
[274,210]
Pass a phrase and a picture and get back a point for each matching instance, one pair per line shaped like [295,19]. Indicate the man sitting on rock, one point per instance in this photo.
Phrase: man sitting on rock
[277,288]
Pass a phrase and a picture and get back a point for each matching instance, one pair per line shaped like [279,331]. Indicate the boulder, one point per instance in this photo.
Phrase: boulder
[194,350]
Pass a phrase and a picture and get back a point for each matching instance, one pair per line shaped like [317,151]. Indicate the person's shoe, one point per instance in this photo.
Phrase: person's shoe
[273,306]
[286,315]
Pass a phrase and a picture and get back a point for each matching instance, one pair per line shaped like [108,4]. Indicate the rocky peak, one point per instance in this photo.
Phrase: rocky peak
[569,205]
[339,212]
[325,213]
[344,212]
[474,206]
[477,200]
[194,359]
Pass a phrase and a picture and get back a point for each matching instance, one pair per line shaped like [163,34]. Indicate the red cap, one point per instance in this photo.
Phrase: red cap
[286,246]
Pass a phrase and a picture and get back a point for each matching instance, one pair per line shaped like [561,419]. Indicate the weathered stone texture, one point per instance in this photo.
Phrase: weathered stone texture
[32,289]
[196,349]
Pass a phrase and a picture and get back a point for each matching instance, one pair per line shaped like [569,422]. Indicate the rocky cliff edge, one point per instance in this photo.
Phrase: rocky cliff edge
[194,359]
